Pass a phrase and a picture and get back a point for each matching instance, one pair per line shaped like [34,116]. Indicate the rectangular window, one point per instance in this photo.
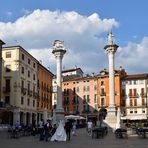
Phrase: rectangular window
[135,102]
[102,102]
[130,82]
[33,65]
[88,99]
[23,57]
[102,83]
[7,99]
[84,88]
[7,85]
[135,92]
[8,54]
[130,92]
[87,88]
[22,100]
[131,102]
[95,87]
[77,89]
[28,102]
[28,73]
[33,103]
[22,70]
[28,61]
[33,76]
[135,82]
[8,68]
[142,91]
[95,98]
[143,101]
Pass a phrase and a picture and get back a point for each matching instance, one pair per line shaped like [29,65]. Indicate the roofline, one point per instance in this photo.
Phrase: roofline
[68,70]
[20,47]
[137,76]
[45,68]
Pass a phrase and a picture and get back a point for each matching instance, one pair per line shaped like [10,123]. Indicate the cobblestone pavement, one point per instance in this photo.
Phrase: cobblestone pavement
[82,140]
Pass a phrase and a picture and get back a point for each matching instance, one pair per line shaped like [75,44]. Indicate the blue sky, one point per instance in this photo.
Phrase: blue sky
[127,19]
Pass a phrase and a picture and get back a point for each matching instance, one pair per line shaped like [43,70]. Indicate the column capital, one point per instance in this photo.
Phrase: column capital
[111,48]
[59,53]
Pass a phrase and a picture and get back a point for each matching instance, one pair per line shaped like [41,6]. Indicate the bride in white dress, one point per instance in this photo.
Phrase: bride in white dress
[60,134]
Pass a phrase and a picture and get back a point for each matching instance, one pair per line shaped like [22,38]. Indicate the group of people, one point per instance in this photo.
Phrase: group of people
[62,132]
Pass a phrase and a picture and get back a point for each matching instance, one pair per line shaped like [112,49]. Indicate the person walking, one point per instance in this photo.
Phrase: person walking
[68,126]
[41,129]
[89,127]
[47,127]
[74,128]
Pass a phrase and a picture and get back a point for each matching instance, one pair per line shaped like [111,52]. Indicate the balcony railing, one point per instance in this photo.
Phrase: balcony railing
[6,89]
[143,95]
[102,94]
[133,95]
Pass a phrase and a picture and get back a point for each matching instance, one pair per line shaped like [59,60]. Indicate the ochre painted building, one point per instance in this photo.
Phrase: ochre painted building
[44,101]
[103,88]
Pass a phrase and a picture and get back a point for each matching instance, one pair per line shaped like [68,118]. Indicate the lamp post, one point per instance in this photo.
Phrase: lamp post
[58,50]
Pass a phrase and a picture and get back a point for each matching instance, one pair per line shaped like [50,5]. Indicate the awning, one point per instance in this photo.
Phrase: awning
[140,117]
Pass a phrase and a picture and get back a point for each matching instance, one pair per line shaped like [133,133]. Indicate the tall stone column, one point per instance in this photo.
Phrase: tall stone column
[111,49]
[59,50]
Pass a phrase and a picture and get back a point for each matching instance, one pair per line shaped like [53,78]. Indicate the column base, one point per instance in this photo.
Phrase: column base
[111,118]
[60,116]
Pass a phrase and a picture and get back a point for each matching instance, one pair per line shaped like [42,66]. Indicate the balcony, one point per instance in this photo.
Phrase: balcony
[102,94]
[6,89]
[133,95]
[143,95]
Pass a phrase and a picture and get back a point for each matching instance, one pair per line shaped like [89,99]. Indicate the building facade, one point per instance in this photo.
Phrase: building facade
[80,96]
[135,92]
[44,100]
[1,44]
[19,85]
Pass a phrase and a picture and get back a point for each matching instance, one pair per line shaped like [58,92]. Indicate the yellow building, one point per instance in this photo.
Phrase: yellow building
[19,85]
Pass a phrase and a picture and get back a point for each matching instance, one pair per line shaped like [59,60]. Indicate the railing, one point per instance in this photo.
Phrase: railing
[133,95]
[102,94]
[143,94]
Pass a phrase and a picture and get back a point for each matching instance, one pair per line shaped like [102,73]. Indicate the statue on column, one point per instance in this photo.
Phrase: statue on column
[110,38]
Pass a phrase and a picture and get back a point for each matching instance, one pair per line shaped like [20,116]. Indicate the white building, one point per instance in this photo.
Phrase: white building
[135,97]
[19,84]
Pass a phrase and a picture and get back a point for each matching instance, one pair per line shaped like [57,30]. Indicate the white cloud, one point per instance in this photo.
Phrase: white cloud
[25,11]
[82,34]
[133,57]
